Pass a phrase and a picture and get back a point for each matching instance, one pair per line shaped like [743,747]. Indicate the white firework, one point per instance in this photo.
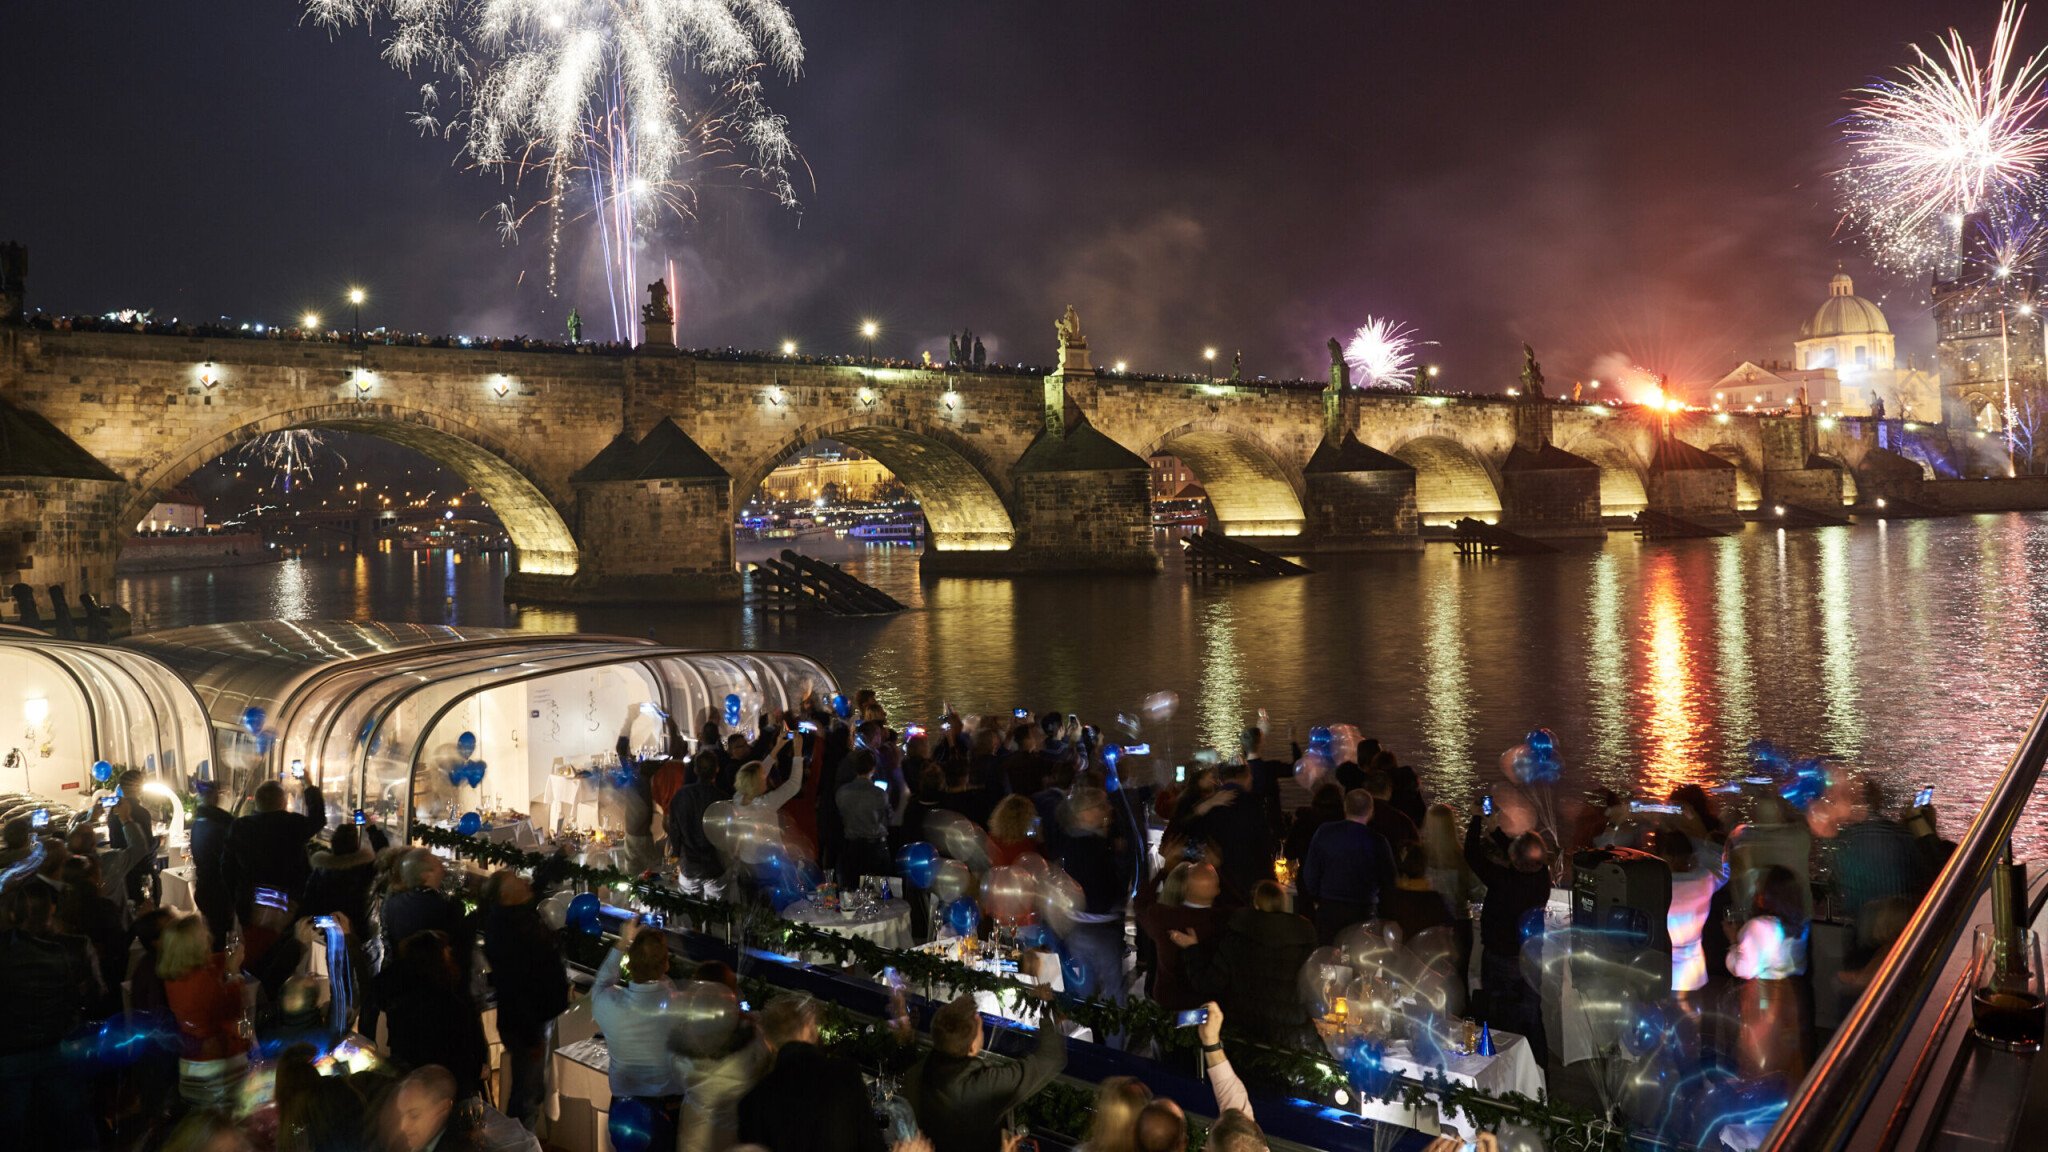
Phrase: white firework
[565,87]
[1382,354]
[289,454]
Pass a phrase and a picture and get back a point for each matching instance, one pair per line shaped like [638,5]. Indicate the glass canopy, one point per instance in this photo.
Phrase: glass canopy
[426,721]
[67,705]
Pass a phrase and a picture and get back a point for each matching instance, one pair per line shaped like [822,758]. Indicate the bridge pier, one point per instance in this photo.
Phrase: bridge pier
[1794,473]
[1692,484]
[1360,499]
[1083,503]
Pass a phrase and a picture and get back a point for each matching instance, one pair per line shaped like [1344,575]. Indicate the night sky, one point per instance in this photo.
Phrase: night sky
[1594,178]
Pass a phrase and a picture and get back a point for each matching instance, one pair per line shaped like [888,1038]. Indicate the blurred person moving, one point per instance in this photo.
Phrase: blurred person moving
[1517,878]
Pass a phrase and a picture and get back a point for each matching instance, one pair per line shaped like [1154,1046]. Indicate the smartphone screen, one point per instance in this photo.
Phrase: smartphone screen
[1659,809]
[1191,1018]
[1486,805]
[299,769]
[360,818]
[41,819]
[1925,797]
[1180,773]
[882,784]
[108,801]
[807,726]
[270,898]
[1022,713]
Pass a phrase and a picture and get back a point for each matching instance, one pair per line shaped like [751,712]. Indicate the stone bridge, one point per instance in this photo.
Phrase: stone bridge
[617,476]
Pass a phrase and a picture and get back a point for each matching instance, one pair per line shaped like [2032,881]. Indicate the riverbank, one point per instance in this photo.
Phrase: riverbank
[176,553]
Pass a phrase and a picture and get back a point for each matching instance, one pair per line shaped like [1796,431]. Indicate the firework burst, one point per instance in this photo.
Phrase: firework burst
[289,454]
[585,95]
[1949,136]
[1382,354]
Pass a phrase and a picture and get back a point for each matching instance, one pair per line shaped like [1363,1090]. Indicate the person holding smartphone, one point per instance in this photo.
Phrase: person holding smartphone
[961,1099]
[864,810]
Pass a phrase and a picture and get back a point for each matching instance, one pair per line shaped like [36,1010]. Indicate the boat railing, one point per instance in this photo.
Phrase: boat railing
[1833,1105]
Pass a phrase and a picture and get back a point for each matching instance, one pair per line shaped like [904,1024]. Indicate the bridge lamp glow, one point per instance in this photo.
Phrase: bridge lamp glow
[789,347]
[1120,368]
[1780,509]
[870,329]
[867,397]
[206,377]
[364,378]
[1209,354]
[1720,417]
[1827,422]
[356,297]
[775,396]
[500,385]
[952,400]
[310,321]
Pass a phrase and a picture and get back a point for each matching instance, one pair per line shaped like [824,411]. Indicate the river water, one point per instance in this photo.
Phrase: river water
[1918,648]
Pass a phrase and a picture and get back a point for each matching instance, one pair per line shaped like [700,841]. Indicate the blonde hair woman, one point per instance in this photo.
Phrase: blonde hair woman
[1443,853]
[750,787]
[203,989]
[1012,829]
[1114,1128]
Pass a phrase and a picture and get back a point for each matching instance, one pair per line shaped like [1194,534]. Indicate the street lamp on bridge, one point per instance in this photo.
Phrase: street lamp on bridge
[869,330]
[355,299]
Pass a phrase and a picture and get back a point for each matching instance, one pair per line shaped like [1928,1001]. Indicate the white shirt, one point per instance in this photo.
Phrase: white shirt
[1764,952]
[1691,893]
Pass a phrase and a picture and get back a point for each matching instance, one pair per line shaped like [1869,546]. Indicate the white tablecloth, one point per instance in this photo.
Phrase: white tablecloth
[573,798]
[888,925]
[1511,1068]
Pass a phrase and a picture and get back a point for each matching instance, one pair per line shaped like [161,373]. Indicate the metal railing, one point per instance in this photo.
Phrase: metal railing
[1827,1110]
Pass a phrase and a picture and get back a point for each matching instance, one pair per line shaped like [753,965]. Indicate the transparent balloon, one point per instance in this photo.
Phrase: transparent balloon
[951,880]
[1009,895]
[1324,978]
[1059,902]
[1160,706]
[707,1015]
[959,838]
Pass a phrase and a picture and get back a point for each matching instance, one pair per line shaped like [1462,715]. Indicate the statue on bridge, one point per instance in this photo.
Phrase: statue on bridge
[575,327]
[657,310]
[1340,372]
[1532,373]
[1073,345]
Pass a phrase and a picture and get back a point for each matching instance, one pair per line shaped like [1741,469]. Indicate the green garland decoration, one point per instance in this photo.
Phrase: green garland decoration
[1562,1127]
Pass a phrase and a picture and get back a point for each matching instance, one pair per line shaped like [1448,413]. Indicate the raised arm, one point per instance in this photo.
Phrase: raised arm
[787,791]
[1223,1079]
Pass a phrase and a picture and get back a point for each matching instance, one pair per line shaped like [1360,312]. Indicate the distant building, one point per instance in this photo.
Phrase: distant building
[179,511]
[1845,359]
[834,476]
[1986,330]
[1169,476]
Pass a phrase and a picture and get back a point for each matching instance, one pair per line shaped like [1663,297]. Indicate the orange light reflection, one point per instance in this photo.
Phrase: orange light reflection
[1670,691]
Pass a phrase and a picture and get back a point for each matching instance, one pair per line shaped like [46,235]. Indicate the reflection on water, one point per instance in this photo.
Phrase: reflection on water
[1918,648]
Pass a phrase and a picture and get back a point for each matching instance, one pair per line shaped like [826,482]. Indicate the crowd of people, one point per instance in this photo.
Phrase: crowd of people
[1206,888]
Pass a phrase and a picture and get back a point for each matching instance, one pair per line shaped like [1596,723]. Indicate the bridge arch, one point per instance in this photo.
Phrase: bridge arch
[1749,487]
[1451,480]
[541,539]
[1252,493]
[1851,485]
[949,479]
[1624,478]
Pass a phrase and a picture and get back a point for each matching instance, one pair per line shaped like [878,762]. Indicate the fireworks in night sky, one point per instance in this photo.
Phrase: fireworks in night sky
[288,454]
[1382,354]
[585,96]
[1951,134]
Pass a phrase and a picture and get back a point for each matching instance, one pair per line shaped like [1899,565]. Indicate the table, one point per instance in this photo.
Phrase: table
[1511,1068]
[583,1082]
[178,884]
[887,925]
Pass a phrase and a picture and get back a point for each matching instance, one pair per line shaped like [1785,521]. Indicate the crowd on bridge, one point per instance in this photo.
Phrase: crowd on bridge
[1220,887]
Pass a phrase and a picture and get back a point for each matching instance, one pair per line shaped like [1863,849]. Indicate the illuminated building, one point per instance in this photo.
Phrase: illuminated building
[1845,358]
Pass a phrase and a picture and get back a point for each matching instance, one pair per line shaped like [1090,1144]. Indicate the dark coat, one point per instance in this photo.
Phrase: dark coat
[961,1101]
[810,1102]
[425,910]
[210,825]
[685,827]
[341,885]
[526,969]
[268,850]
[1251,969]
[1243,839]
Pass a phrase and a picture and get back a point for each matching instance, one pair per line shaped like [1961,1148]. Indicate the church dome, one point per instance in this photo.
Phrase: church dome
[1844,313]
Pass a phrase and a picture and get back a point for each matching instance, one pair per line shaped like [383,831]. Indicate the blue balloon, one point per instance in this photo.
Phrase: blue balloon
[470,824]
[1365,1066]
[1036,936]
[1073,971]
[841,706]
[918,862]
[264,740]
[252,719]
[732,708]
[631,1125]
[466,743]
[1111,754]
[964,916]
[476,773]
[102,771]
[1644,1029]
[583,914]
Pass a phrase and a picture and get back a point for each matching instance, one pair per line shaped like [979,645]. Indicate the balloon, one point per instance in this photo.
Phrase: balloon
[466,744]
[1371,944]
[1160,706]
[1074,972]
[470,824]
[1009,894]
[951,881]
[707,1013]
[1324,977]
[1430,944]
[718,820]
[841,706]
[1059,901]
[732,708]
[958,837]
[1539,762]
[583,915]
[1034,865]
[264,740]
[555,909]
[102,771]
[1646,1025]
[631,1125]
[252,719]
[1365,1066]
[916,862]
[963,917]
[1036,936]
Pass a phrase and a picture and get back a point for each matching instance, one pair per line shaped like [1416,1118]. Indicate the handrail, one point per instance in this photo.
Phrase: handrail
[1828,1107]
